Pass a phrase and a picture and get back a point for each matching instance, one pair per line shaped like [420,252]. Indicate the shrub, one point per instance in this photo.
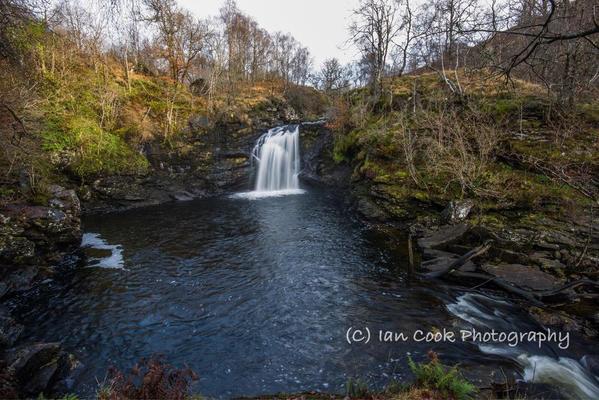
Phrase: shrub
[150,379]
[447,380]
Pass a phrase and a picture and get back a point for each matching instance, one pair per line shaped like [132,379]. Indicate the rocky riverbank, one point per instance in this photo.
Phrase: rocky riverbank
[36,243]
[548,262]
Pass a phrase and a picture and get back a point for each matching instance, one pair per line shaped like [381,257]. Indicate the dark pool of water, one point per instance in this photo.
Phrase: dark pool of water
[255,296]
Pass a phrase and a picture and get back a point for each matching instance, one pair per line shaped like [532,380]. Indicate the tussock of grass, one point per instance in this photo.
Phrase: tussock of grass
[445,380]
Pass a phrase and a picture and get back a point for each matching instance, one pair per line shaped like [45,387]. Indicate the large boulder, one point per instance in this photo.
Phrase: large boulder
[40,368]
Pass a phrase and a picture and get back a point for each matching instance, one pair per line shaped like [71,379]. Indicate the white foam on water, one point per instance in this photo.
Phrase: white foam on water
[256,194]
[95,241]
[568,374]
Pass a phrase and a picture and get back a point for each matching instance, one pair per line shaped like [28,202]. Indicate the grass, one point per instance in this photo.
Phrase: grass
[455,149]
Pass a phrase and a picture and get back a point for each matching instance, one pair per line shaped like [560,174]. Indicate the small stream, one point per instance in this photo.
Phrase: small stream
[257,296]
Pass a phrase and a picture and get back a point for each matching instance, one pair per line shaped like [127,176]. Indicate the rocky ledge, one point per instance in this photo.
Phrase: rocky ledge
[547,263]
[34,240]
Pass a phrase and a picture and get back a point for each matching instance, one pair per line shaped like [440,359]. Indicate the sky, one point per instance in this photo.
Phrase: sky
[320,25]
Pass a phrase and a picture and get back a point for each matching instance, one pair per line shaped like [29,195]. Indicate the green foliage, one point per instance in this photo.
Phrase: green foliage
[91,150]
[28,36]
[590,111]
[434,375]
[345,147]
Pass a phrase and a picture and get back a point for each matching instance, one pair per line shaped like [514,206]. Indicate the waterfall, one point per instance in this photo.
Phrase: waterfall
[276,154]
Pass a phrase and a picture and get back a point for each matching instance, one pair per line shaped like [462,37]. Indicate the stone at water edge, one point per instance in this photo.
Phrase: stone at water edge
[457,211]
[446,235]
[40,367]
[523,276]
[182,196]
[438,264]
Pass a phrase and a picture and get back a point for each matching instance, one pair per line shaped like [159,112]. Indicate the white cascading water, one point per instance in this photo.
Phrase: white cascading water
[573,377]
[277,155]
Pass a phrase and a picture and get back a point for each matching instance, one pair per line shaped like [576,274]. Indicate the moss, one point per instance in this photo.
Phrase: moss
[590,112]
[344,147]
[421,196]
[94,151]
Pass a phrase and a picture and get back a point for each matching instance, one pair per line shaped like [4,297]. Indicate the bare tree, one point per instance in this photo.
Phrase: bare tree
[333,76]
[373,31]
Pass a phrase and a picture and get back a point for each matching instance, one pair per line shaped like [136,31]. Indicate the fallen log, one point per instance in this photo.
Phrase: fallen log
[477,251]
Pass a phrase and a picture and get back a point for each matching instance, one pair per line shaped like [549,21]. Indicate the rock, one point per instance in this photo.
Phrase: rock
[591,363]
[559,239]
[509,256]
[39,367]
[199,122]
[440,263]
[10,330]
[446,235]
[430,254]
[370,210]
[34,366]
[546,246]
[32,238]
[456,211]
[555,318]
[182,196]
[522,275]
[546,261]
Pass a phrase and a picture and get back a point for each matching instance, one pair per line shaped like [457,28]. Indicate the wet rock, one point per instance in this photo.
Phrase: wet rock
[182,196]
[440,263]
[522,275]
[40,368]
[430,254]
[34,366]
[484,376]
[591,363]
[445,236]
[10,330]
[21,278]
[457,211]
[370,210]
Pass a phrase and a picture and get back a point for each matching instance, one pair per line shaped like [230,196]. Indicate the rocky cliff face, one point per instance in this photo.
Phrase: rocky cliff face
[212,161]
